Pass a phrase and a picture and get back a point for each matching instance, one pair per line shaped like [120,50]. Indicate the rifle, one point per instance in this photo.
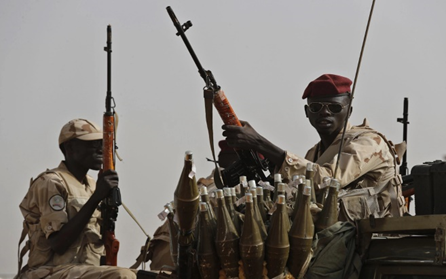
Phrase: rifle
[407,186]
[250,163]
[109,206]
[405,121]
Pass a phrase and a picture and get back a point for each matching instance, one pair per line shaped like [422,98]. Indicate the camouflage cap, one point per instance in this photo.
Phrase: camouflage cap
[80,129]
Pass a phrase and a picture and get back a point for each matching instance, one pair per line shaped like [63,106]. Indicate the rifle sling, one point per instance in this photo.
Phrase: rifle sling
[208,94]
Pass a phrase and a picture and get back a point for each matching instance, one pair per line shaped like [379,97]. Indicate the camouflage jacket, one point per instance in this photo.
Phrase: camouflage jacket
[53,198]
[367,172]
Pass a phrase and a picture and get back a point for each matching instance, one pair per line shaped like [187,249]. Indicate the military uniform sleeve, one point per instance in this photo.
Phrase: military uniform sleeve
[362,155]
[292,165]
[45,202]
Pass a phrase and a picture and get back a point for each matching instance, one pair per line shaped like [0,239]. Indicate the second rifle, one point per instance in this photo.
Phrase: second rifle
[250,163]
[109,206]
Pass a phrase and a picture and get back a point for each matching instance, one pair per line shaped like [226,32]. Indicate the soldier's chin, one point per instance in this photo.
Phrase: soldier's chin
[325,130]
[96,167]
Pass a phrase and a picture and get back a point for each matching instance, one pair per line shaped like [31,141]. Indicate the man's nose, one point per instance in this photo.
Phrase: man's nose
[325,110]
[99,149]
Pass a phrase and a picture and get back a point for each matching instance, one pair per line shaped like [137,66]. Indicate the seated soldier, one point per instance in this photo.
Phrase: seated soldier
[368,173]
[60,211]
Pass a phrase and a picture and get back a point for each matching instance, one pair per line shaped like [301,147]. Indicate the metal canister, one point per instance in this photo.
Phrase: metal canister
[257,215]
[329,214]
[186,200]
[251,243]
[226,239]
[208,264]
[298,198]
[301,236]
[277,242]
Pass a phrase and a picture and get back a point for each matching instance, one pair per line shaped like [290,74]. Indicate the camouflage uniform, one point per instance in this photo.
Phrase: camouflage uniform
[44,214]
[367,172]
[54,198]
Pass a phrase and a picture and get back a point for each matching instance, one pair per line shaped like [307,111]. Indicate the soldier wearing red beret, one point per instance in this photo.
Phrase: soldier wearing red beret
[368,163]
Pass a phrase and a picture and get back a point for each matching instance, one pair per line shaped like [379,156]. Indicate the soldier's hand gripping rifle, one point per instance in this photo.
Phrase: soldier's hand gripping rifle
[109,206]
[250,163]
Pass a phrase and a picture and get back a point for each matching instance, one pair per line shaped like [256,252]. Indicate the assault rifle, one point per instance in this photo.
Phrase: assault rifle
[408,186]
[109,206]
[250,163]
[405,121]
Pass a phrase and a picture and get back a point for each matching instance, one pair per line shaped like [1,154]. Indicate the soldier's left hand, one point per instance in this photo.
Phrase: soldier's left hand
[106,181]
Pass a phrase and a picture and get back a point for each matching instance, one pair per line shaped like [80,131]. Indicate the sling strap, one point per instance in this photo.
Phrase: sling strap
[208,94]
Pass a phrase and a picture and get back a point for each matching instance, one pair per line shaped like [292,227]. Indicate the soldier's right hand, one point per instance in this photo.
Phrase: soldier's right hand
[244,137]
[106,181]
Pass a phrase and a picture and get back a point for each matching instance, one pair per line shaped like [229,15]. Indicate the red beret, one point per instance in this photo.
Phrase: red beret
[327,85]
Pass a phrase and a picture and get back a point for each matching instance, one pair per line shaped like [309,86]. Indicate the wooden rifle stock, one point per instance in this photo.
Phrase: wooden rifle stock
[111,248]
[109,206]
[108,142]
[225,110]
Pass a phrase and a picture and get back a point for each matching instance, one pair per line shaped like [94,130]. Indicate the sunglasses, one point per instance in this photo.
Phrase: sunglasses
[332,107]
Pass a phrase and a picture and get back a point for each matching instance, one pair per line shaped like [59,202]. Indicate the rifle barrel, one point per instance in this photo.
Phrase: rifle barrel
[108,49]
[108,121]
[181,32]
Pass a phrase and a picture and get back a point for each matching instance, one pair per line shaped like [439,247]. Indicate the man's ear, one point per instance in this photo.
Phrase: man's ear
[306,110]
[67,148]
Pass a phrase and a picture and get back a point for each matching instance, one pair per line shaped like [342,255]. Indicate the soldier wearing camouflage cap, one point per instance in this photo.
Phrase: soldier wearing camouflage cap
[368,172]
[80,129]
[60,211]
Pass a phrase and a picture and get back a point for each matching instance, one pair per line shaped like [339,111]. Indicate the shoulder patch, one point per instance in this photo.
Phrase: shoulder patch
[57,203]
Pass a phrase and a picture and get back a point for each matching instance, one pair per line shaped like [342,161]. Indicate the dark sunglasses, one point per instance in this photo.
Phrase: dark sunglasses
[332,107]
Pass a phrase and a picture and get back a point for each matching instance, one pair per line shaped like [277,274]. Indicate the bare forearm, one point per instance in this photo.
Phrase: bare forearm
[274,153]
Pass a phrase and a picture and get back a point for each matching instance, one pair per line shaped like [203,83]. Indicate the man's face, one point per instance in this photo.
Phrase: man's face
[87,154]
[327,114]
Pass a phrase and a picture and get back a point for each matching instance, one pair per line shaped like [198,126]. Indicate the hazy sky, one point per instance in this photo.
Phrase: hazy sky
[262,53]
